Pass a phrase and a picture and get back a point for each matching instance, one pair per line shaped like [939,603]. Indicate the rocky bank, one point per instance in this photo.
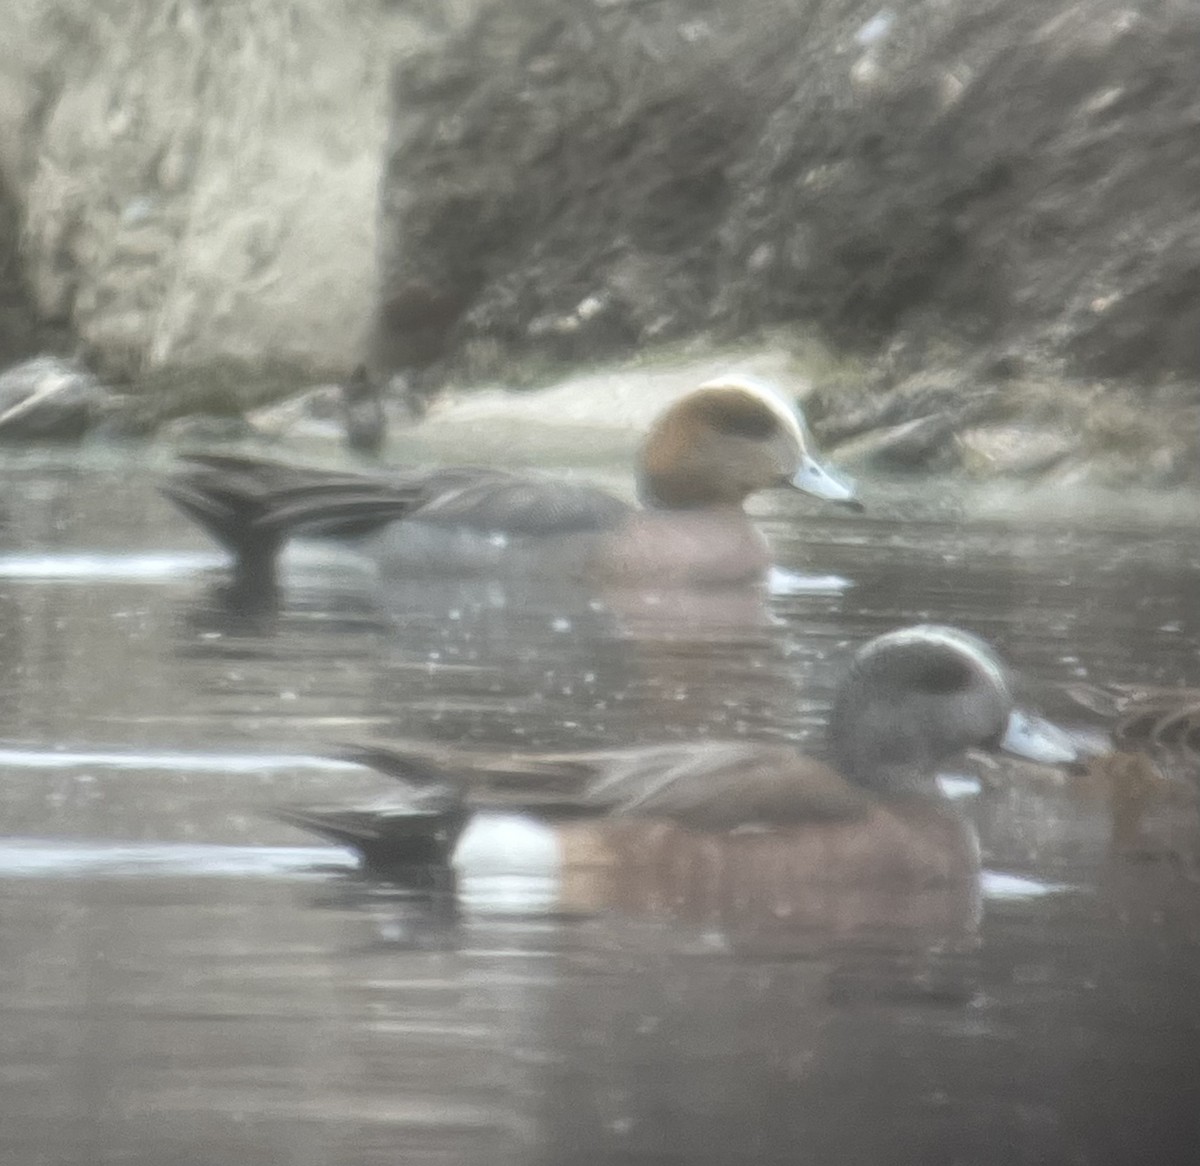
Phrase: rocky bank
[988,213]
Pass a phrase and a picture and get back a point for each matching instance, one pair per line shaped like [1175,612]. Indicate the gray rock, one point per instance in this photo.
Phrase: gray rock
[925,443]
[313,412]
[948,392]
[352,412]
[1015,450]
[49,399]
[205,429]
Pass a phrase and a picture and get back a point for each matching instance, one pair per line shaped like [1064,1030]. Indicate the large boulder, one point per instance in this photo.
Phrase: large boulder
[198,182]
[577,179]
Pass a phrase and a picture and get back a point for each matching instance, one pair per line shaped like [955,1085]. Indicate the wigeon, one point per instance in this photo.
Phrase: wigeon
[871,809]
[703,457]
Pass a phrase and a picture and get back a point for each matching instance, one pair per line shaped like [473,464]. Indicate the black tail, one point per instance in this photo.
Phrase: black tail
[251,506]
[230,502]
[388,840]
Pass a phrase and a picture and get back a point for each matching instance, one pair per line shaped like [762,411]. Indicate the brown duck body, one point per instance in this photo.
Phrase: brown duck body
[702,459]
[872,810]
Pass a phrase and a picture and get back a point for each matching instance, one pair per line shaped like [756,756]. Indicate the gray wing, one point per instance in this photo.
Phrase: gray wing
[520,504]
[242,500]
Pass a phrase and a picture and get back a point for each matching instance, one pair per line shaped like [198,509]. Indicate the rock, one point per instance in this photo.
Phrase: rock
[1019,177]
[49,399]
[203,429]
[950,392]
[315,412]
[1017,450]
[912,425]
[923,444]
[352,412]
[201,187]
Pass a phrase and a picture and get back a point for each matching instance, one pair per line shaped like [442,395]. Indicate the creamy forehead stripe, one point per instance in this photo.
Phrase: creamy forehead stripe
[961,642]
[765,392]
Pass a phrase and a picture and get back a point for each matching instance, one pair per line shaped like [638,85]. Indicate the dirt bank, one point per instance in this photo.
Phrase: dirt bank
[1014,174]
[993,208]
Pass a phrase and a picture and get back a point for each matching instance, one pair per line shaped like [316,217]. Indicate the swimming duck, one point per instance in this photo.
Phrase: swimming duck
[703,457]
[1150,778]
[910,700]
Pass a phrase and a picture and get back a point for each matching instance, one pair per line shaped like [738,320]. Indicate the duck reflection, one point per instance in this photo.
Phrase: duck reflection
[502,662]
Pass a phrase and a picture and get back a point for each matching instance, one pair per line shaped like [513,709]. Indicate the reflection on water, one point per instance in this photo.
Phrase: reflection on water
[186,980]
[91,568]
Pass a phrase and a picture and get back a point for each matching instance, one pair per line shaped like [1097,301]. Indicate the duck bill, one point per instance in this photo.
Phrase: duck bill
[1036,739]
[813,478]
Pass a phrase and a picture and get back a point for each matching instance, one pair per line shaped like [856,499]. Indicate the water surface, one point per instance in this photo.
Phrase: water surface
[185,980]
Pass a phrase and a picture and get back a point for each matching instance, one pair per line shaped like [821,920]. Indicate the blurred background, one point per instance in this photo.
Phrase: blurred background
[970,228]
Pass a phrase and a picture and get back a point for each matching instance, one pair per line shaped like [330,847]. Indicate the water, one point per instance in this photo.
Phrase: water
[186,980]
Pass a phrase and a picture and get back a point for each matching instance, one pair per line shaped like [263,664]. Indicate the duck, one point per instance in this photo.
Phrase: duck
[869,811]
[1149,775]
[702,458]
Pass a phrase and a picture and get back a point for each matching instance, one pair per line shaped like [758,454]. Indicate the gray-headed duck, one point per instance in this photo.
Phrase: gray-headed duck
[910,700]
[703,457]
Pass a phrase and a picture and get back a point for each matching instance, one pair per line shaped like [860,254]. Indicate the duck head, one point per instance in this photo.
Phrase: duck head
[726,440]
[917,696]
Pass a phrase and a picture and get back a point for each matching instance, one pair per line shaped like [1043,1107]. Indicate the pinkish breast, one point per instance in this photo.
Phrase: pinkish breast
[702,548]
